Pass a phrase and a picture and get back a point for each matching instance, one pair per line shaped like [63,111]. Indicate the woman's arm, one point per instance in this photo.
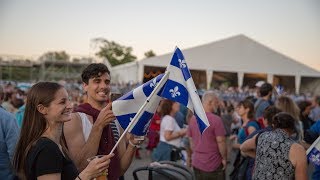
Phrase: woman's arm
[298,158]
[248,147]
[171,135]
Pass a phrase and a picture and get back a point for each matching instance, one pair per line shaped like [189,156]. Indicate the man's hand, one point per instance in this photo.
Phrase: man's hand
[105,116]
[224,163]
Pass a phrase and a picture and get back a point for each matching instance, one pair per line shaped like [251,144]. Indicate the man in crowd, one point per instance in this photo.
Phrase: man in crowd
[315,112]
[209,151]
[92,129]
[264,101]
[9,134]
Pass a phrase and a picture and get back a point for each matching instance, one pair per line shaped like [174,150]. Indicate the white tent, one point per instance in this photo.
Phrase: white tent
[238,54]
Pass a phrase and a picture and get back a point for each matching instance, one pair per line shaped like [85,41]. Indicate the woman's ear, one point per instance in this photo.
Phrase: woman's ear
[42,109]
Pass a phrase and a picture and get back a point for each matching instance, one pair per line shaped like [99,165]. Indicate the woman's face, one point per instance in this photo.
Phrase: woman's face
[60,108]
[242,111]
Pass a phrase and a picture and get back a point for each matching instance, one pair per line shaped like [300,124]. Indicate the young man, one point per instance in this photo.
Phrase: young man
[92,129]
[264,101]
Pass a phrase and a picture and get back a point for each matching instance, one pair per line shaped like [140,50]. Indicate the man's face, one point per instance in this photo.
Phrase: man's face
[98,88]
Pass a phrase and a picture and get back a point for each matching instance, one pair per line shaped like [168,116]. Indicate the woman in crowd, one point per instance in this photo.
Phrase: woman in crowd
[305,109]
[153,134]
[277,155]
[245,110]
[286,104]
[170,132]
[249,125]
[41,152]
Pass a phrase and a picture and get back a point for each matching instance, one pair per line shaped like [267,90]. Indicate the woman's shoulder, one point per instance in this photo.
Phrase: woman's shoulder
[44,143]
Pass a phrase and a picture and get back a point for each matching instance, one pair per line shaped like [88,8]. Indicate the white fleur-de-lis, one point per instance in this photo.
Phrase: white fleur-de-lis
[182,63]
[153,83]
[174,92]
[315,159]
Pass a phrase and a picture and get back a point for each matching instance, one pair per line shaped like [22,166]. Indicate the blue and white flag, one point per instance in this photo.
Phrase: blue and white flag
[126,107]
[313,153]
[180,88]
[279,89]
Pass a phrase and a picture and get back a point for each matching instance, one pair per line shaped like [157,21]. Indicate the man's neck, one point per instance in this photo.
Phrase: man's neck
[97,105]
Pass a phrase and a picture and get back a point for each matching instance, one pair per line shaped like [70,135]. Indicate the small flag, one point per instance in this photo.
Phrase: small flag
[180,88]
[127,106]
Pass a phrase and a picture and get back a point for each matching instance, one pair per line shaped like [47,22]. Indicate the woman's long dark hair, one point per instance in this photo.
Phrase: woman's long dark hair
[34,124]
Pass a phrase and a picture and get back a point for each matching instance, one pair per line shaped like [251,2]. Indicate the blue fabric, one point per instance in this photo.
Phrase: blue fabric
[260,106]
[316,128]
[242,133]
[162,152]
[9,134]
[20,114]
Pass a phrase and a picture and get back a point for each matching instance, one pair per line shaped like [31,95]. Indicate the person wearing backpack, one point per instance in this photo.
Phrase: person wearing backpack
[245,110]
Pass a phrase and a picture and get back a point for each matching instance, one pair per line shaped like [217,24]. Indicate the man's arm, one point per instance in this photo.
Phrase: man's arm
[221,140]
[126,154]
[11,133]
[80,150]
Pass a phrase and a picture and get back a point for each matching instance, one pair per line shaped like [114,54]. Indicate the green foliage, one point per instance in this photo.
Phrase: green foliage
[114,52]
[149,54]
[55,56]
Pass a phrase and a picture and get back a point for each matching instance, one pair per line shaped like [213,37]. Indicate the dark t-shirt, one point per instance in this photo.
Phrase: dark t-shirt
[45,157]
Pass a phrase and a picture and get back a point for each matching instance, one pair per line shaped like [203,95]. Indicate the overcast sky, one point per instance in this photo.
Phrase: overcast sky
[33,27]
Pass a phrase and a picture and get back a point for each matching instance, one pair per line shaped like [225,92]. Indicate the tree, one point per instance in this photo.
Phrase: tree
[149,54]
[114,52]
[55,56]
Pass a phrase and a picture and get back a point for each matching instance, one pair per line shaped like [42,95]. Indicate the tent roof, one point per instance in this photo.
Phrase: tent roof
[237,54]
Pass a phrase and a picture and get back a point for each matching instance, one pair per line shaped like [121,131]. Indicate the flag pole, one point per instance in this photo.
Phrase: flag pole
[139,113]
[313,145]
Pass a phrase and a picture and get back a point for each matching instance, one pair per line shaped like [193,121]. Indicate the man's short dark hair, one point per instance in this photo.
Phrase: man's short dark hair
[94,70]
[265,89]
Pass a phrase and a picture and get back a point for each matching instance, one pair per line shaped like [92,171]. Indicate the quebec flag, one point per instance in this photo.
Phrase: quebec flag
[313,153]
[126,107]
[180,88]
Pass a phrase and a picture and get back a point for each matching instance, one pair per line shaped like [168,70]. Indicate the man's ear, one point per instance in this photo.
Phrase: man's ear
[85,86]
[42,109]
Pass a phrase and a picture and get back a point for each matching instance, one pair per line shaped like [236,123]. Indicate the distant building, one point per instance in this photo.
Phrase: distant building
[238,60]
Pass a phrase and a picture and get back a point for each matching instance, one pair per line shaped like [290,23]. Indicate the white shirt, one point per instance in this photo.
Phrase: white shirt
[168,123]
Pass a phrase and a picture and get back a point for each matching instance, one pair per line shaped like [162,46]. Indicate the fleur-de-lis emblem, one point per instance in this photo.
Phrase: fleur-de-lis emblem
[315,158]
[153,83]
[182,63]
[174,92]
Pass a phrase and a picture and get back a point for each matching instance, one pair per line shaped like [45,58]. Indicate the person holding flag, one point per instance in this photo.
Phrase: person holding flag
[92,129]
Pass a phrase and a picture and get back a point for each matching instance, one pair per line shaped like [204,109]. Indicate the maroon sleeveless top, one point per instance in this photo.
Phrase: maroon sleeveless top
[107,141]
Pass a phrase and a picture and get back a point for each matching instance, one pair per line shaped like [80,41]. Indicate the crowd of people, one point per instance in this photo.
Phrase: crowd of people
[50,129]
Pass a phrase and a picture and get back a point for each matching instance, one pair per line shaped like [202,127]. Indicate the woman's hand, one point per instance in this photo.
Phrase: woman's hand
[96,167]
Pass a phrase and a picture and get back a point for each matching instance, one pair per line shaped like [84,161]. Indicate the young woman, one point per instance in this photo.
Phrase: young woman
[41,152]
[170,132]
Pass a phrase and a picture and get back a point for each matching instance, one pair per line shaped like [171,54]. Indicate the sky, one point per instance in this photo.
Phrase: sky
[32,27]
